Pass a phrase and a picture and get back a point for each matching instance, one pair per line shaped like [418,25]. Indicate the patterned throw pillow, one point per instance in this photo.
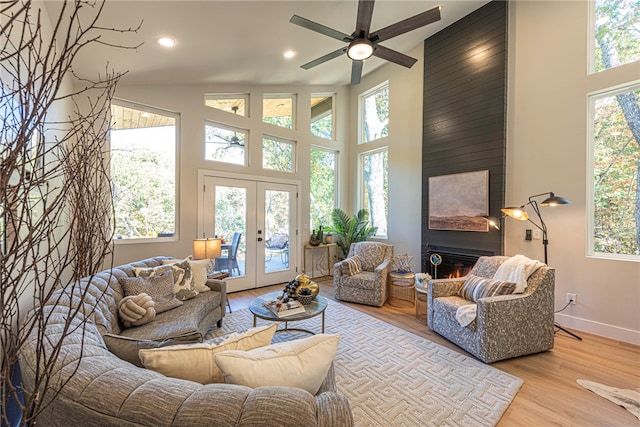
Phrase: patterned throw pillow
[476,287]
[158,287]
[352,266]
[184,287]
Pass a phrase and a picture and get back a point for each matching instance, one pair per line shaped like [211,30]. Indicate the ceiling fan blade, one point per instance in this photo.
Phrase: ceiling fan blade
[324,58]
[319,28]
[356,72]
[363,22]
[394,56]
[406,25]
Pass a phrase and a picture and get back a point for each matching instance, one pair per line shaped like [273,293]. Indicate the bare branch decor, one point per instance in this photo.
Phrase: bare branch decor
[55,205]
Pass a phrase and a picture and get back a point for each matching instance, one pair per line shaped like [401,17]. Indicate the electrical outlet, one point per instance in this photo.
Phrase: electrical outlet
[537,234]
[571,298]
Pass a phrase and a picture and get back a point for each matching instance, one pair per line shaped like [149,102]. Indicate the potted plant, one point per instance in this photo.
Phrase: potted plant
[347,230]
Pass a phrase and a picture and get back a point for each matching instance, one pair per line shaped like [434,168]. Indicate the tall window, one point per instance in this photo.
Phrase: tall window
[374,166]
[322,123]
[323,184]
[616,33]
[278,154]
[374,113]
[143,171]
[225,144]
[279,110]
[615,121]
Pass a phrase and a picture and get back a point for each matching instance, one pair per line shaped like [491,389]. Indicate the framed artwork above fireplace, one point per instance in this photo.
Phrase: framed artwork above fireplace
[459,201]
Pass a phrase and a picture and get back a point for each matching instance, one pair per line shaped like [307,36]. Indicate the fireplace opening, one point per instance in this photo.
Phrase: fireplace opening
[446,262]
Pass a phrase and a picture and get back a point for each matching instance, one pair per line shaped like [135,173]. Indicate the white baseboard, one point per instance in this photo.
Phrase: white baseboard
[597,328]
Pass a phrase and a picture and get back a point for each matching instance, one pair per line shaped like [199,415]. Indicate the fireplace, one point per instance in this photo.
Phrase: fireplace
[456,262]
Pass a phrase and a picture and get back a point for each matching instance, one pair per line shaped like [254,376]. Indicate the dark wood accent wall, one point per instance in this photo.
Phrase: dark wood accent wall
[464,115]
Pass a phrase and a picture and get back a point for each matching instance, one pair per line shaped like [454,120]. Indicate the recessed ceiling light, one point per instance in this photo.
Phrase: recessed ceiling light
[166,41]
[289,54]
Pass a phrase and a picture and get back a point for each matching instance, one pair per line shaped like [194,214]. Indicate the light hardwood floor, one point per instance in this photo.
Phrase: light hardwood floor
[550,395]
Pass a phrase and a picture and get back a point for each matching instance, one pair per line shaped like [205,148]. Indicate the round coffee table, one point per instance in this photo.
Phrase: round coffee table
[317,307]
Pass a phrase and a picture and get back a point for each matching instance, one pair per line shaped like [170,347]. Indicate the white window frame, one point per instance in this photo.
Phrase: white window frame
[361,201]
[592,97]
[361,111]
[231,129]
[294,149]
[177,117]
[333,96]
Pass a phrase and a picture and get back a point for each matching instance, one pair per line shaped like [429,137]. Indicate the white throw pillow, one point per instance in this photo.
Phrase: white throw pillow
[194,362]
[302,363]
[199,270]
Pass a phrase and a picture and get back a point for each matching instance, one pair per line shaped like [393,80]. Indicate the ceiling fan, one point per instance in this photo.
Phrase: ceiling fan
[362,43]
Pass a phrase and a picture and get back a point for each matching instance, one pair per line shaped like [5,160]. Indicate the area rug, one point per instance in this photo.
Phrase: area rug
[628,398]
[395,378]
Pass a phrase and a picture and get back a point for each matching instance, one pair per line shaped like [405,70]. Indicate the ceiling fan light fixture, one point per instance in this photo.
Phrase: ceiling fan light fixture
[360,49]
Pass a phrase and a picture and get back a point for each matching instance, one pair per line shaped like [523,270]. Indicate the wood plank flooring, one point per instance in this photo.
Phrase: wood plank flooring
[550,395]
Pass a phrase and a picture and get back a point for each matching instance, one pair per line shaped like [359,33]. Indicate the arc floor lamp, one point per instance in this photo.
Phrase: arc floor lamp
[520,213]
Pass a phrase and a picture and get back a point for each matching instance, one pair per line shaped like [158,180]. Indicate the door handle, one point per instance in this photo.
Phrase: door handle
[259,239]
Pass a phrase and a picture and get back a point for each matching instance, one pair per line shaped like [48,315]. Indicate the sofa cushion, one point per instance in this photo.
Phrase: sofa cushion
[302,363]
[476,287]
[179,361]
[127,348]
[352,266]
[158,287]
[184,287]
[371,254]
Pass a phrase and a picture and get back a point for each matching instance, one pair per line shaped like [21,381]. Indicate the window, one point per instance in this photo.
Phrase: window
[232,103]
[277,154]
[279,110]
[322,124]
[374,113]
[615,158]
[616,33]
[374,189]
[143,171]
[323,185]
[225,144]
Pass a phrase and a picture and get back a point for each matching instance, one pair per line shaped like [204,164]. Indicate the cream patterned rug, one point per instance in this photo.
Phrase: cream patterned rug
[395,378]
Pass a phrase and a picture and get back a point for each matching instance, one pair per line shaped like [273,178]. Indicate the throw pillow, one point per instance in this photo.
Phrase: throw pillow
[302,363]
[127,348]
[159,288]
[198,269]
[195,362]
[184,287]
[476,287]
[352,266]
[136,310]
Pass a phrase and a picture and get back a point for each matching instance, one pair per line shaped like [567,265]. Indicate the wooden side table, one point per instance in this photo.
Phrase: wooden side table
[401,289]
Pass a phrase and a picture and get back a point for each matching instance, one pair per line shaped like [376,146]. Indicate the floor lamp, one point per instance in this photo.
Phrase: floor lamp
[521,214]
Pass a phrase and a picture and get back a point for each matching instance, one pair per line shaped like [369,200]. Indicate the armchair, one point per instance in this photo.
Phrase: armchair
[505,326]
[367,284]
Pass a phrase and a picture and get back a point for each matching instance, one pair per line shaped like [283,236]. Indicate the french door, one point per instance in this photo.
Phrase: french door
[262,212]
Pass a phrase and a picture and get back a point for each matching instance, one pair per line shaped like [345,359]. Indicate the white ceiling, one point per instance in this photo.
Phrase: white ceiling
[243,42]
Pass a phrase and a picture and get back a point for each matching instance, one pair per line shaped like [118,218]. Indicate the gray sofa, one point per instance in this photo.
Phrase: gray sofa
[506,326]
[102,389]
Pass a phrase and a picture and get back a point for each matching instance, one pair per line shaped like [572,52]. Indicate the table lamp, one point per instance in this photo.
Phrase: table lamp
[207,249]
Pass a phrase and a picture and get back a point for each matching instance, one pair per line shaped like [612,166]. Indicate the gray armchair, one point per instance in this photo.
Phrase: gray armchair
[506,326]
[368,286]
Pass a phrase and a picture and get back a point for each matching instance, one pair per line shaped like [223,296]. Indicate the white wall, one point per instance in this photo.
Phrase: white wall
[188,100]
[547,151]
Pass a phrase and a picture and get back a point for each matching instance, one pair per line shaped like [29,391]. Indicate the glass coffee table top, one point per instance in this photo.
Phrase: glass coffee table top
[317,307]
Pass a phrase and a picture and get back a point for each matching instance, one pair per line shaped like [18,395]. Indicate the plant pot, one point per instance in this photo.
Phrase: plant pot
[305,299]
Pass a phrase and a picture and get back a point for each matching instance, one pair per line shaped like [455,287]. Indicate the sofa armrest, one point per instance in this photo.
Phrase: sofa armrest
[437,288]
[337,269]
[219,286]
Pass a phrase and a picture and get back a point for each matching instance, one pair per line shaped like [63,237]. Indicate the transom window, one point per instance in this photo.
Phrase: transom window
[616,33]
[374,114]
[322,114]
[278,154]
[225,143]
[144,146]
[232,103]
[278,110]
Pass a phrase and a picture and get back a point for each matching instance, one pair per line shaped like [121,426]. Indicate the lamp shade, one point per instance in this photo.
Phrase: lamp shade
[360,49]
[516,212]
[554,200]
[213,248]
[200,249]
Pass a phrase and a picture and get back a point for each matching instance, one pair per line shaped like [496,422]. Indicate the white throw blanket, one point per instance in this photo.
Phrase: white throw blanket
[516,269]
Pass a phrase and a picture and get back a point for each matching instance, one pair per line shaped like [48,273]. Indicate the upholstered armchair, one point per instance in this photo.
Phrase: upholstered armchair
[362,276]
[505,326]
